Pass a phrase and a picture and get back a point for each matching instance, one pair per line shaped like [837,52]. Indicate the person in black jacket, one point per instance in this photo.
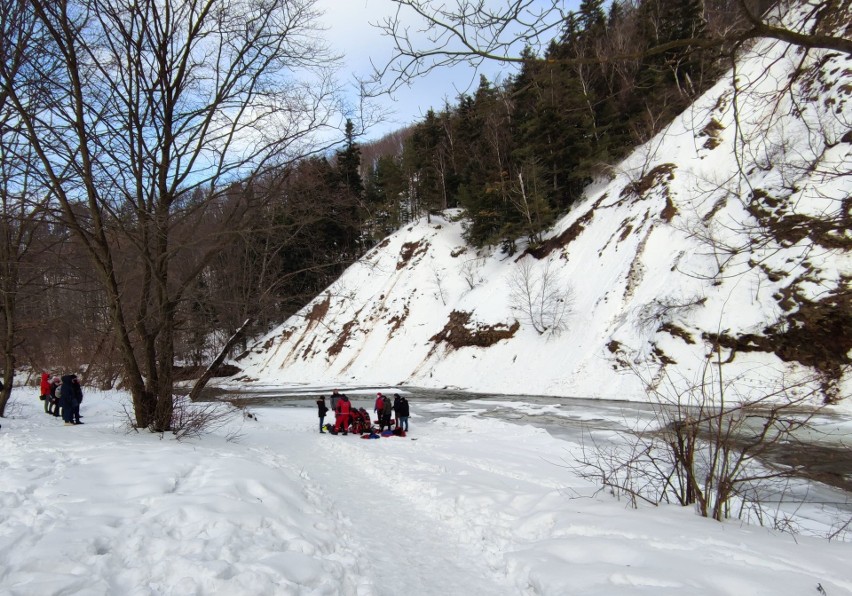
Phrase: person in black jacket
[396,399]
[401,413]
[322,410]
[77,393]
[66,399]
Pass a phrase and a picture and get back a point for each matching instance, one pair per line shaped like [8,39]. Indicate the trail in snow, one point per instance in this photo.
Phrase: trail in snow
[404,547]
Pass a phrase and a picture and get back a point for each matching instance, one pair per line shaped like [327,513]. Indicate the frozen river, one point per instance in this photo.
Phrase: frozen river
[566,417]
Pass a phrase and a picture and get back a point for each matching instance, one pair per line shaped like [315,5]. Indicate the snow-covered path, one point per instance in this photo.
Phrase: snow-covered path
[464,505]
[402,546]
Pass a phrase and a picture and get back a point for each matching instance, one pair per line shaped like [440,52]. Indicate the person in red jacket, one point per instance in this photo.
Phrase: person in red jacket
[45,392]
[342,415]
[380,401]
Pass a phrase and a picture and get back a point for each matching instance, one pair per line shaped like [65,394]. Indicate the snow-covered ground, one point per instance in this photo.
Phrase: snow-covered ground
[463,505]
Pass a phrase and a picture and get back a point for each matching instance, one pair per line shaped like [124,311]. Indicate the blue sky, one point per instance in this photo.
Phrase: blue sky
[351,34]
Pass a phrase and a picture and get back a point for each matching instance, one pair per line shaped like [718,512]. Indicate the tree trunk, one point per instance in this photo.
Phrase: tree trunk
[208,373]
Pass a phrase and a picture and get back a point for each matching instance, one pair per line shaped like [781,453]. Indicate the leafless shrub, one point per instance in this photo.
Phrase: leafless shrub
[192,420]
[650,316]
[840,530]
[710,446]
[440,291]
[542,300]
[128,420]
[14,409]
[470,272]
[615,464]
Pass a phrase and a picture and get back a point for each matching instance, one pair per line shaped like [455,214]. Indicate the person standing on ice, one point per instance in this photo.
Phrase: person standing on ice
[386,411]
[335,397]
[377,409]
[396,399]
[342,423]
[322,410]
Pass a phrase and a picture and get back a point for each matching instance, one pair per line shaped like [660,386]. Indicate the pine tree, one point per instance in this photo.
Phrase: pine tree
[349,162]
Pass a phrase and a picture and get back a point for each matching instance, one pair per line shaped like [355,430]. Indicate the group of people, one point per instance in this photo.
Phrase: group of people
[348,418]
[62,396]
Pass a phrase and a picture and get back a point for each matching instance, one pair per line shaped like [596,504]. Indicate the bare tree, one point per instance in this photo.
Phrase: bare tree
[542,300]
[428,34]
[155,108]
[23,201]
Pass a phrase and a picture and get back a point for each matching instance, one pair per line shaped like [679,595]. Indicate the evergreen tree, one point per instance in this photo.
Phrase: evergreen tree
[349,162]
[347,200]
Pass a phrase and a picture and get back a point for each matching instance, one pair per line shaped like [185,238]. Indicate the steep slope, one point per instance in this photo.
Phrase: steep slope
[729,231]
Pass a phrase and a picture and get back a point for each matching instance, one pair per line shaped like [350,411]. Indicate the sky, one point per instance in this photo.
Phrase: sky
[266,505]
[351,33]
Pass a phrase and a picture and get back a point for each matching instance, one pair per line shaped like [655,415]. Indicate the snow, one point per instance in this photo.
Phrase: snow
[463,505]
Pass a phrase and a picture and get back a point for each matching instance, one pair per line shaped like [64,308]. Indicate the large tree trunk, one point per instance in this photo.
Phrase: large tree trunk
[208,373]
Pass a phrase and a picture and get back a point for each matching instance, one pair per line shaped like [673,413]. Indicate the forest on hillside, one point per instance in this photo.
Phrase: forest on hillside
[161,200]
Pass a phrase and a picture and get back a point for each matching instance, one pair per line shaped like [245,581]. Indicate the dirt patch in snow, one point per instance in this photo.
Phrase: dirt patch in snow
[318,311]
[711,131]
[659,175]
[574,230]
[396,321]
[817,334]
[776,215]
[410,250]
[677,331]
[345,333]
[459,333]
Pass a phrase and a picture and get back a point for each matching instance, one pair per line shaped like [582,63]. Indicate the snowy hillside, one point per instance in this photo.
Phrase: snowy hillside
[730,228]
